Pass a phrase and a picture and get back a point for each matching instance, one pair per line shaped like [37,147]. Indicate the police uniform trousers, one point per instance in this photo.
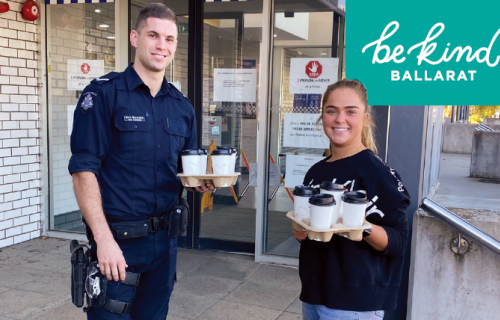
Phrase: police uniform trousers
[155,258]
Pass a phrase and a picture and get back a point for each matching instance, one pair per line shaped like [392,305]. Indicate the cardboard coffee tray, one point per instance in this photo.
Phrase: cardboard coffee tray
[218,180]
[326,235]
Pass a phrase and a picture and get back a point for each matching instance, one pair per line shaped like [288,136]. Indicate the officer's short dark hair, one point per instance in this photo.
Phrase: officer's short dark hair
[154,10]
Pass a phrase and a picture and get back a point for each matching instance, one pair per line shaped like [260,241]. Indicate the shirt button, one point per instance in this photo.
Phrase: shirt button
[159,146]
[135,127]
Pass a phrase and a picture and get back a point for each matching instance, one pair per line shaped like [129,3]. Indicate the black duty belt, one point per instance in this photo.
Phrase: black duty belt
[139,228]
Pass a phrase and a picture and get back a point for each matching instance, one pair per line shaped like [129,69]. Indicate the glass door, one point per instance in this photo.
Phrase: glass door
[305,60]
[232,35]
[81,47]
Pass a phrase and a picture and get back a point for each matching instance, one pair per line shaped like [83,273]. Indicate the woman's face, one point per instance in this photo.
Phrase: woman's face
[344,116]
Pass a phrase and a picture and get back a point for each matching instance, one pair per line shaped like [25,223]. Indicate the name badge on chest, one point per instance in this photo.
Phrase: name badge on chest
[134,118]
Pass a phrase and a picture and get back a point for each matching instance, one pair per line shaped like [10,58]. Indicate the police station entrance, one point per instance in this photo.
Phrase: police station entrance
[235,61]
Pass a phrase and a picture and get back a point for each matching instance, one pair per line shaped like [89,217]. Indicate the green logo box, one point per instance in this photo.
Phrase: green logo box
[425,53]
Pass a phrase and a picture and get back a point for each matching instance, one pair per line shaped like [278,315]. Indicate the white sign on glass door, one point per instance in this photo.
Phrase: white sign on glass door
[80,72]
[312,75]
[300,130]
[235,85]
[297,167]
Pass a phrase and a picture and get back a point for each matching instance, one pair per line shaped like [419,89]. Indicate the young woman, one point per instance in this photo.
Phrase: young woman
[345,279]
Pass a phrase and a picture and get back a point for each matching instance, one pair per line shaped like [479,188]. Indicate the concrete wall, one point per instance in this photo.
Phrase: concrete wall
[485,158]
[20,183]
[457,137]
[444,285]
[492,121]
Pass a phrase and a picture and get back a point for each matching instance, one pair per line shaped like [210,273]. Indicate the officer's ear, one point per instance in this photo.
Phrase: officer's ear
[134,35]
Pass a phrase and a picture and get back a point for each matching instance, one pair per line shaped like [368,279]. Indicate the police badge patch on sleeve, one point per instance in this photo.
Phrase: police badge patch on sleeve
[88,102]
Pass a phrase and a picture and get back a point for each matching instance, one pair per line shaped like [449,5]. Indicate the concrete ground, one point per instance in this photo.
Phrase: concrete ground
[35,284]
[458,190]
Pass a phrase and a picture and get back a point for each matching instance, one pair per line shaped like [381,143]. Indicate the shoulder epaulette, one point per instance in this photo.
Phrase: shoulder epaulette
[179,93]
[105,78]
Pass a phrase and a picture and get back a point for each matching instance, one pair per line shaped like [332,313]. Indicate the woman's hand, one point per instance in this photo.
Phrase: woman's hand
[299,235]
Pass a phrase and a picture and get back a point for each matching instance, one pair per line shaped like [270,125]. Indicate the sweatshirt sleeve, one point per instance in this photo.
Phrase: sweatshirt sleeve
[389,200]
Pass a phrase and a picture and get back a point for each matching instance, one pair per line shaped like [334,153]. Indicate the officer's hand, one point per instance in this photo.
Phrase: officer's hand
[111,261]
[299,235]
[206,187]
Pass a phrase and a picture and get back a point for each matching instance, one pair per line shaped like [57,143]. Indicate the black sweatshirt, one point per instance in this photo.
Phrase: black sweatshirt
[350,275]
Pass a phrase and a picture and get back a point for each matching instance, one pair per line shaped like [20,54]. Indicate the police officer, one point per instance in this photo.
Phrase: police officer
[129,129]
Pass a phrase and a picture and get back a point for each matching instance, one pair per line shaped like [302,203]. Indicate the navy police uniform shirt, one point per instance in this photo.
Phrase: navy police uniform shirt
[132,141]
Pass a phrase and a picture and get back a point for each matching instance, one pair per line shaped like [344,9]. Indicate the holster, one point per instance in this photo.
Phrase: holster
[80,260]
[178,219]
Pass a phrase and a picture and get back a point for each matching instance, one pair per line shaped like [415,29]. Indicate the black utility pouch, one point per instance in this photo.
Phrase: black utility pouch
[80,259]
[178,220]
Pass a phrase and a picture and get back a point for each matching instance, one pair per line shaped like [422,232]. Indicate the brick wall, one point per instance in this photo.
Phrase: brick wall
[20,209]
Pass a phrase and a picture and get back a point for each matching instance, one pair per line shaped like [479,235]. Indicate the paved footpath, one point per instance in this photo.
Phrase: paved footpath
[35,284]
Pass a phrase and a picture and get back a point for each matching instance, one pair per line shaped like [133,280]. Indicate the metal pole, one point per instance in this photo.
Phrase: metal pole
[460,224]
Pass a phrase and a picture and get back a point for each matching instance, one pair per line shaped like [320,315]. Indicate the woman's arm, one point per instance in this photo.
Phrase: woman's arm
[378,238]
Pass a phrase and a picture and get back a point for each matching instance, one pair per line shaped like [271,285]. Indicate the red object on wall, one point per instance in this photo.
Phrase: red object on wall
[4,7]
[30,10]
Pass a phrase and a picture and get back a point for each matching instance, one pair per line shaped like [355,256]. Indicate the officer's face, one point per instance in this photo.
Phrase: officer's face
[155,44]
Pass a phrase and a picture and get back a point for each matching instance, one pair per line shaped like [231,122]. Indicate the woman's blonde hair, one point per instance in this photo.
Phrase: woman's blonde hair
[367,134]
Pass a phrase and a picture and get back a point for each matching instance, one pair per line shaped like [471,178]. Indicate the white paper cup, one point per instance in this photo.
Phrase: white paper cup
[221,164]
[321,211]
[194,161]
[203,164]
[191,164]
[301,208]
[354,214]
[301,195]
[337,195]
[354,207]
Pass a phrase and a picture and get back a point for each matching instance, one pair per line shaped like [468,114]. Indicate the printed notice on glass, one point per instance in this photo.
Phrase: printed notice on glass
[312,75]
[300,130]
[235,85]
[80,72]
[297,167]
[274,175]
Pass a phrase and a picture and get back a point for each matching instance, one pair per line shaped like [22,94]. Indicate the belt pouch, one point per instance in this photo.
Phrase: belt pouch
[178,220]
[79,264]
[126,230]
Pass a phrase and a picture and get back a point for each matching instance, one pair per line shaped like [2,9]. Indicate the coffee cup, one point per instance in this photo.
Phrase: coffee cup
[301,195]
[233,155]
[354,207]
[194,161]
[321,210]
[336,190]
[221,161]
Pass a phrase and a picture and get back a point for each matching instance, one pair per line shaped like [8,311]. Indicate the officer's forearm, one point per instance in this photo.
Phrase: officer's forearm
[90,203]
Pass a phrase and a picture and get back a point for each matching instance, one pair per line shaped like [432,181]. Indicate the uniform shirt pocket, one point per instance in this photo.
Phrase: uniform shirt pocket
[136,140]
[176,133]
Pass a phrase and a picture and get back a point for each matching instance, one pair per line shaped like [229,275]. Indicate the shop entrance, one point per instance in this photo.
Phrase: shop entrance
[218,65]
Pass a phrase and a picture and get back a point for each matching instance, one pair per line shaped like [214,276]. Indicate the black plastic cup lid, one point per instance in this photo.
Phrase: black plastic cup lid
[330,186]
[231,150]
[355,197]
[221,152]
[193,152]
[304,191]
[322,200]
